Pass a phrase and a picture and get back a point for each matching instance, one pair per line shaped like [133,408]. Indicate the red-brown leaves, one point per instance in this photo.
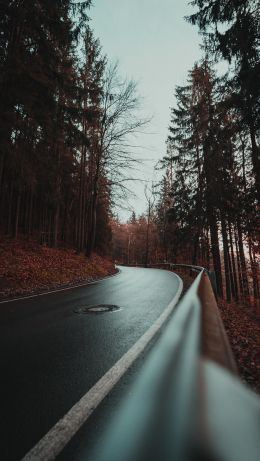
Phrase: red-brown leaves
[243,332]
[27,267]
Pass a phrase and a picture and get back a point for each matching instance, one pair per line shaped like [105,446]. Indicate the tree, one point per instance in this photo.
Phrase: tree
[37,81]
[110,148]
[90,96]
[206,192]
[239,43]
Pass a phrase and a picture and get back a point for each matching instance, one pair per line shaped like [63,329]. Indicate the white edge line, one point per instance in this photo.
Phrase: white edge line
[45,293]
[61,433]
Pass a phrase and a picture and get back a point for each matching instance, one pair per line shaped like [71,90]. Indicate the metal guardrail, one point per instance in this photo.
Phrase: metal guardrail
[210,274]
[187,403]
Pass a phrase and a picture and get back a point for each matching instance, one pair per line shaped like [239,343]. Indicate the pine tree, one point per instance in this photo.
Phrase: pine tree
[239,44]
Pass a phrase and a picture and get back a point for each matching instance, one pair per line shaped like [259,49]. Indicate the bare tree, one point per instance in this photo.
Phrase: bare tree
[111,151]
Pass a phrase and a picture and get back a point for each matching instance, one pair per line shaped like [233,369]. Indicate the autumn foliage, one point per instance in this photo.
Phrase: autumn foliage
[27,267]
[243,332]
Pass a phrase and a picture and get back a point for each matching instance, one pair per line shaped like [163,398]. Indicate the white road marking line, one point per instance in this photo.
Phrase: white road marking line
[61,433]
[60,289]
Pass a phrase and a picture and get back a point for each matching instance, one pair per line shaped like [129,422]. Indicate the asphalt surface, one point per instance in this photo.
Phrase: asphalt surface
[50,355]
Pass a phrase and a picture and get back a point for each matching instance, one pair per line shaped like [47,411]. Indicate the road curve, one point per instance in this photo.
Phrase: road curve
[51,356]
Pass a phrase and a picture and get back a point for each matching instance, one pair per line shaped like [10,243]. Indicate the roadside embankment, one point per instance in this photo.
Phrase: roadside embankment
[26,267]
[242,327]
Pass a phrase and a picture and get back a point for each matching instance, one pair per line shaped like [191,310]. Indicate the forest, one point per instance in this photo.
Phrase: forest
[205,210]
[67,116]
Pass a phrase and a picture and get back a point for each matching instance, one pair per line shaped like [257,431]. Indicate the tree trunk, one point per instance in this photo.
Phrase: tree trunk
[195,249]
[95,174]
[92,230]
[255,159]
[17,214]
[234,271]
[10,210]
[242,260]
[29,229]
[240,278]
[207,249]
[84,211]
[226,258]
[253,270]
[56,226]
[81,217]
[243,161]
[58,198]
[1,171]
[147,234]
[215,250]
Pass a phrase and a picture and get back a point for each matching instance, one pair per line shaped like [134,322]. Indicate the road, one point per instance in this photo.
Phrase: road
[51,355]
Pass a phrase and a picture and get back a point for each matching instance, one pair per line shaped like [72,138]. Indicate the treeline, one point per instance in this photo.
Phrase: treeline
[66,117]
[207,206]
[213,156]
[137,242]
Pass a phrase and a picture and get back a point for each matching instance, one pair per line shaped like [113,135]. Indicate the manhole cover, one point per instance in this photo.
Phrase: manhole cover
[96,309]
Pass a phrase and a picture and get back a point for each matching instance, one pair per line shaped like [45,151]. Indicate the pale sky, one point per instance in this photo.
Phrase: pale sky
[156,47]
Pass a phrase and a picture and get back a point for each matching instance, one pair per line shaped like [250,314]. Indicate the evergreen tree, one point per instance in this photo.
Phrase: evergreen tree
[239,43]
[207,188]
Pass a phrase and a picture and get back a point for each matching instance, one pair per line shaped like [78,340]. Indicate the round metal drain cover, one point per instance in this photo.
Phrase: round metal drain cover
[96,309]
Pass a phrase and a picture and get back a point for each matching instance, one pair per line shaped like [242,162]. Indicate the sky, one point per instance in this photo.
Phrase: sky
[156,47]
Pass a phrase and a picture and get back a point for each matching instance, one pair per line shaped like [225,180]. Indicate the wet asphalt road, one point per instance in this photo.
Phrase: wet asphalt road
[50,355]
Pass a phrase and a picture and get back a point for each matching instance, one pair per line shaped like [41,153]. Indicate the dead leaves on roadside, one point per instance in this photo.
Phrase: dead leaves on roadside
[242,328]
[28,267]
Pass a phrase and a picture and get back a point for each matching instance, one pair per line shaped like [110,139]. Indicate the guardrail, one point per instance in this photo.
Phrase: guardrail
[210,274]
[187,403]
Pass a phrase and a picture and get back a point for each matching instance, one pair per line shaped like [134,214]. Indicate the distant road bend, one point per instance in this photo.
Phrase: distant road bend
[58,362]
